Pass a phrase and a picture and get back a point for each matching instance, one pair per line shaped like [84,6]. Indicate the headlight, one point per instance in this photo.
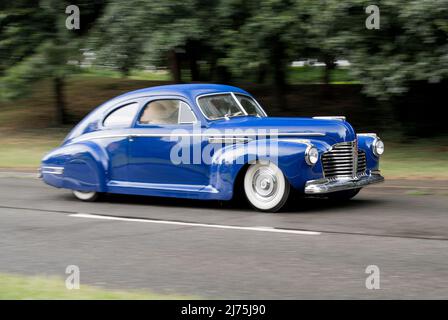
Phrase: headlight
[311,155]
[378,147]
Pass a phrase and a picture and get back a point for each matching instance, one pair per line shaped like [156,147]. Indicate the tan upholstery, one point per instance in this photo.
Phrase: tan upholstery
[160,112]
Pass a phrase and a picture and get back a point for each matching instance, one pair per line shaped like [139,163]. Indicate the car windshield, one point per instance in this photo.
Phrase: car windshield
[228,105]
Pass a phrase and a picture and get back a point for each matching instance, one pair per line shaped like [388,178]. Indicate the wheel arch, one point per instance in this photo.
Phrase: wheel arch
[231,162]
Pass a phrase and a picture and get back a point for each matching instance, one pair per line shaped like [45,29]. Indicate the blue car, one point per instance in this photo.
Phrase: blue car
[215,142]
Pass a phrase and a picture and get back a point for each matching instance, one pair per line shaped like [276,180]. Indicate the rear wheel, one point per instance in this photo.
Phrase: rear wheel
[344,195]
[89,196]
[266,187]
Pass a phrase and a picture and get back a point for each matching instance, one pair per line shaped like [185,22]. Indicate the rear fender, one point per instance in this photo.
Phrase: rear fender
[85,166]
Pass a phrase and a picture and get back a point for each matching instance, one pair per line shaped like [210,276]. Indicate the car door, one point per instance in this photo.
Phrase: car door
[162,145]
[115,140]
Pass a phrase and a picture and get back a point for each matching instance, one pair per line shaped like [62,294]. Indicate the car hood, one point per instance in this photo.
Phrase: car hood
[334,130]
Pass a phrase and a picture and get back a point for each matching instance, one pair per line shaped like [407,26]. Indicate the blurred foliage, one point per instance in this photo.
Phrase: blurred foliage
[411,45]
[35,44]
[226,41]
[256,40]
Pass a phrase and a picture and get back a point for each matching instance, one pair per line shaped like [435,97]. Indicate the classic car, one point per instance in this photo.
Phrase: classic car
[208,141]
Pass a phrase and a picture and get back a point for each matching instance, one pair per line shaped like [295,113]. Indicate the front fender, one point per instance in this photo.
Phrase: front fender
[365,142]
[288,155]
[84,167]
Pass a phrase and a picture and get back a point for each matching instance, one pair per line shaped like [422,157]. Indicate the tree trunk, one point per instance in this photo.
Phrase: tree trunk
[330,65]
[279,68]
[261,74]
[60,117]
[193,61]
[174,64]
[124,70]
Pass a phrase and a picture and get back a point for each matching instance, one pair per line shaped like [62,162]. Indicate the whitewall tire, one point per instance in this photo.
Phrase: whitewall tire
[266,187]
[86,196]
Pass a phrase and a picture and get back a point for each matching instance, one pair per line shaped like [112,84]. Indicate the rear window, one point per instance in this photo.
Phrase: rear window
[121,117]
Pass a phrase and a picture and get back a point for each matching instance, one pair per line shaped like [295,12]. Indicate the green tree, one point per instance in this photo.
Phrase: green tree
[411,45]
[139,32]
[269,38]
[37,45]
[325,26]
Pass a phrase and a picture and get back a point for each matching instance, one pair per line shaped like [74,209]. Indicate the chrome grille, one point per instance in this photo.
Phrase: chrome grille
[362,164]
[342,160]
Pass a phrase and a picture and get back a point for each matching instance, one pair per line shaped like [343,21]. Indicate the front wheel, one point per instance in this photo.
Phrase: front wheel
[266,187]
[89,196]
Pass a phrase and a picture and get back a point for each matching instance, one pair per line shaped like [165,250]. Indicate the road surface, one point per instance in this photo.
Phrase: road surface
[316,249]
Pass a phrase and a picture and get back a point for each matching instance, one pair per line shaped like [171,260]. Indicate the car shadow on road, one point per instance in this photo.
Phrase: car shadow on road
[295,205]
[314,205]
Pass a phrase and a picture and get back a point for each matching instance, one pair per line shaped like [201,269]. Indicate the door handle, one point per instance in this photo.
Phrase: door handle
[131,138]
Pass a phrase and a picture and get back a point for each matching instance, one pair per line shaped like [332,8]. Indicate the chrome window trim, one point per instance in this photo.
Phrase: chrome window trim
[233,96]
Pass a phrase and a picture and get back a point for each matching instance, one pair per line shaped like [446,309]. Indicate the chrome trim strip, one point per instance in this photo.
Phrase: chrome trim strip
[373,135]
[52,170]
[229,140]
[285,134]
[163,186]
[342,118]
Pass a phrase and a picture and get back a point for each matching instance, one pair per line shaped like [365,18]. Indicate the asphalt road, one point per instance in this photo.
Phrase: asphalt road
[316,249]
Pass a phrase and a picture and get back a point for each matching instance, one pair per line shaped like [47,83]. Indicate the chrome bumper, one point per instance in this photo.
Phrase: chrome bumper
[332,185]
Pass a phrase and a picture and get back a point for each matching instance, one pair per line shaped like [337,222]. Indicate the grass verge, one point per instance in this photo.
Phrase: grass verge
[422,159]
[15,287]
[25,150]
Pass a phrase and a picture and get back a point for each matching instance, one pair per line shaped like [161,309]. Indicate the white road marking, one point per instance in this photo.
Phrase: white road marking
[192,224]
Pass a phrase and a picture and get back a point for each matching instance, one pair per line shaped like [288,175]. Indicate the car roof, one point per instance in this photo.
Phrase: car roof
[186,90]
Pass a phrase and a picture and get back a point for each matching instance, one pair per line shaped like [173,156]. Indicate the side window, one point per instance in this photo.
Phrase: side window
[166,112]
[121,117]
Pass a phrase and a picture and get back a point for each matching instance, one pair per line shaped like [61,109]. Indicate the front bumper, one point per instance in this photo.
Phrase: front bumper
[343,183]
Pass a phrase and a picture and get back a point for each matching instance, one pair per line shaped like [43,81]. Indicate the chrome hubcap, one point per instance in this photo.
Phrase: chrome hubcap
[264,184]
